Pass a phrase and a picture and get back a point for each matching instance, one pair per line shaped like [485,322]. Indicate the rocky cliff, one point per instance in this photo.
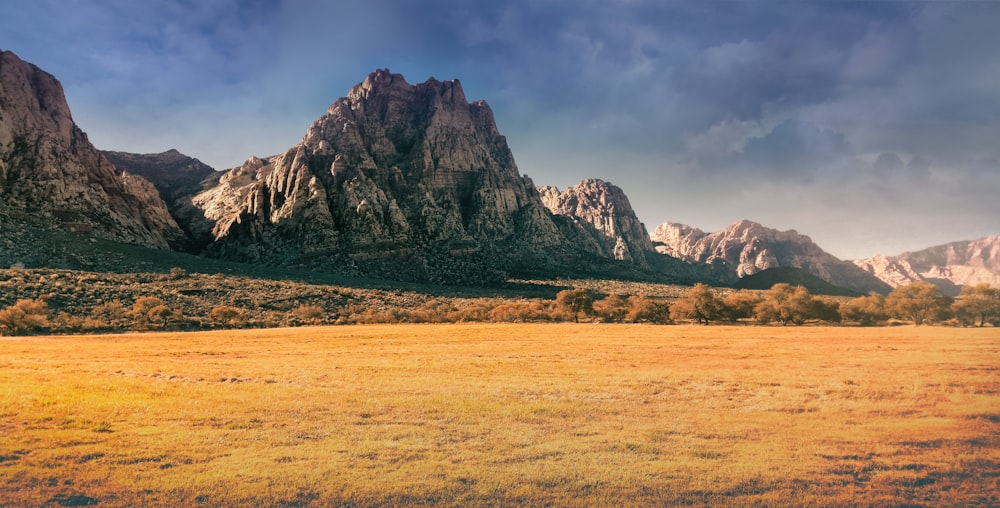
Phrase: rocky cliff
[948,266]
[52,176]
[400,180]
[602,211]
[746,248]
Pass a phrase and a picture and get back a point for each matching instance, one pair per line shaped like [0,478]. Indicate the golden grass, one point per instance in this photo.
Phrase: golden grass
[495,415]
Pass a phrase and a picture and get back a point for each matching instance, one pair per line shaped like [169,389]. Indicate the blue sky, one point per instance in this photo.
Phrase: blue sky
[871,126]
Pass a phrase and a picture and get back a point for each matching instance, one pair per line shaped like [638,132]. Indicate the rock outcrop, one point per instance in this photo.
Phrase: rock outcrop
[603,212]
[746,248]
[176,177]
[399,180]
[948,266]
[52,176]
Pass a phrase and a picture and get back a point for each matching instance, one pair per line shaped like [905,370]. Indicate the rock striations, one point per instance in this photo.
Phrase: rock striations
[51,175]
[947,266]
[746,248]
[400,180]
[602,212]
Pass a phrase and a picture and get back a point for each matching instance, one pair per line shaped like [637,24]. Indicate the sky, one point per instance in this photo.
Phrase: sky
[871,126]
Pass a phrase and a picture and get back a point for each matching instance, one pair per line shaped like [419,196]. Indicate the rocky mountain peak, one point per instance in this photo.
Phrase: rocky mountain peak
[51,175]
[605,208]
[393,175]
[33,102]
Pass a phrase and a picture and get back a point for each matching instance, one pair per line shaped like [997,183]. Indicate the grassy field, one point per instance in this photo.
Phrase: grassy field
[503,415]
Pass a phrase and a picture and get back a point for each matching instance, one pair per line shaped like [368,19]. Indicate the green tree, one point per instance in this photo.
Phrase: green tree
[978,305]
[699,304]
[919,302]
[575,302]
[865,310]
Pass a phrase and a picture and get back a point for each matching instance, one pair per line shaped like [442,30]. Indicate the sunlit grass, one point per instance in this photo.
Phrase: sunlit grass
[503,415]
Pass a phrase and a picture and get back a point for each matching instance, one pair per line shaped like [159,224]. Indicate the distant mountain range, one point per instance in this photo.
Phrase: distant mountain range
[397,181]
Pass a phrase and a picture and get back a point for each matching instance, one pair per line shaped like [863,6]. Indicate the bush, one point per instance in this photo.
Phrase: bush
[25,316]
[574,303]
[642,309]
[224,315]
[612,309]
[309,314]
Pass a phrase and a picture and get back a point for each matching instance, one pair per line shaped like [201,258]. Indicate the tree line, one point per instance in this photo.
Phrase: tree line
[918,303]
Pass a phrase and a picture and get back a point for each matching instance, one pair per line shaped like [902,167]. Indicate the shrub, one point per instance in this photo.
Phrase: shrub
[309,314]
[612,309]
[224,315]
[574,303]
[642,309]
[25,316]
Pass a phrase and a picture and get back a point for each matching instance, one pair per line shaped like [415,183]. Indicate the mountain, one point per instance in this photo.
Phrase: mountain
[746,248]
[396,180]
[603,212]
[177,177]
[53,179]
[948,266]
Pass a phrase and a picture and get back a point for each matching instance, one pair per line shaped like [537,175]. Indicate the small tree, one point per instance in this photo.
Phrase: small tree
[978,305]
[864,310]
[740,305]
[918,302]
[613,308]
[643,309]
[699,304]
[575,302]
[25,316]
[786,304]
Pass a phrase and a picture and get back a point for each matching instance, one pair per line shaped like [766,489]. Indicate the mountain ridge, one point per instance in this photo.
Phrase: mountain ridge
[745,248]
[396,180]
[948,266]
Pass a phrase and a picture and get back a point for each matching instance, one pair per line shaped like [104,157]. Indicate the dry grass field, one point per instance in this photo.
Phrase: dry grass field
[503,415]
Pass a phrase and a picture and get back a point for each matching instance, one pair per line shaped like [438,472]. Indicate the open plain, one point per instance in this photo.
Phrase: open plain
[499,415]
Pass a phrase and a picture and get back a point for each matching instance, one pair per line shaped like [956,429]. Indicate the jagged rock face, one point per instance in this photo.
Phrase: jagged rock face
[745,248]
[948,266]
[602,210]
[50,173]
[394,178]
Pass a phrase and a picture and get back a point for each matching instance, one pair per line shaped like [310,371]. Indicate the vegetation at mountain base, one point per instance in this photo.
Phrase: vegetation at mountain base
[61,301]
[503,415]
